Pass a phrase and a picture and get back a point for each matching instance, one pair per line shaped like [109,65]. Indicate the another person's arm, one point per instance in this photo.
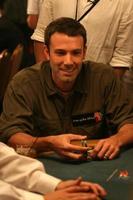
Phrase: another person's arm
[123,52]
[8,191]
[32,12]
[24,172]
[29,178]
[39,51]
[32,20]
[45,17]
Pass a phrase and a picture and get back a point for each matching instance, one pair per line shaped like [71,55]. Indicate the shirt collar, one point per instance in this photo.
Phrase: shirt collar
[79,87]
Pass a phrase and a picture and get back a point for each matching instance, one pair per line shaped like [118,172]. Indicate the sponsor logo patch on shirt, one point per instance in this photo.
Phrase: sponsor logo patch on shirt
[86,118]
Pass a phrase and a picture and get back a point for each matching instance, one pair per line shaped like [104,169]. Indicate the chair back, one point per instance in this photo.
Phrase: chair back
[16,59]
[4,71]
[9,66]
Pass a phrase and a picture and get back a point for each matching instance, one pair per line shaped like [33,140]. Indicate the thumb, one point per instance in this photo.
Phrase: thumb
[78,180]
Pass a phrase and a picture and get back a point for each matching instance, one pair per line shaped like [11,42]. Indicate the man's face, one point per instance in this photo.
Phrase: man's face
[66,55]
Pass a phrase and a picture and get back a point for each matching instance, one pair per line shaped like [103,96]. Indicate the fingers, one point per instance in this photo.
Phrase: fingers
[78,180]
[84,186]
[110,153]
[95,188]
[64,142]
[67,194]
[77,188]
[105,149]
[81,190]
[84,196]
[69,154]
[69,183]
[76,137]
[77,148]
[98,190]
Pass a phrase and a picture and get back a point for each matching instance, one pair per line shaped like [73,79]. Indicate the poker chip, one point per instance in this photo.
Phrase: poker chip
[86,155]
[105,157]
[124,174]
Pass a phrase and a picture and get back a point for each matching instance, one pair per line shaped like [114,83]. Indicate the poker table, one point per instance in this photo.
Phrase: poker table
[105,172]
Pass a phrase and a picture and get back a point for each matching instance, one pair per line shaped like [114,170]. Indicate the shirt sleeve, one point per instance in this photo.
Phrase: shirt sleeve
[33,7]
[8,191]
[45,17]
[24,172]
[123,52]
[118,106]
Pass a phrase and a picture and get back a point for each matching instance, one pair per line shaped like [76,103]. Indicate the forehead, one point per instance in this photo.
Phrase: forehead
[60,40]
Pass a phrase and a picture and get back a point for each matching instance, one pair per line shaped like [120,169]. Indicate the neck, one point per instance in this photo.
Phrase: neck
[65,88]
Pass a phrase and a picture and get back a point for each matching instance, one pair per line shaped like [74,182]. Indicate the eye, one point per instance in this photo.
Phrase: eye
[60,53]
[77,52]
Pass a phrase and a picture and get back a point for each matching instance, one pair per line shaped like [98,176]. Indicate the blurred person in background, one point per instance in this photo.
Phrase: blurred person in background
[33,9]
[10,35]
[16,11]
[109,26]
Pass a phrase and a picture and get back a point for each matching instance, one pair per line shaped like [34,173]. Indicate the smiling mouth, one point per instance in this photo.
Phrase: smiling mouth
[67,70]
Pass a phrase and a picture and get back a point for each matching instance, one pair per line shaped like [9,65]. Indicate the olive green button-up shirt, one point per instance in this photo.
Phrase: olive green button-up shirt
[96,107]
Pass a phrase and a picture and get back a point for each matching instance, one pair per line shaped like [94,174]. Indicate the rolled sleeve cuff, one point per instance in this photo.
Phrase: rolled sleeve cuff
[37,36]
[125,62]
[46,183]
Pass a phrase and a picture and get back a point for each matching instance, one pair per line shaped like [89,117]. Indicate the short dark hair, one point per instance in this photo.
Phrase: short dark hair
[65,25]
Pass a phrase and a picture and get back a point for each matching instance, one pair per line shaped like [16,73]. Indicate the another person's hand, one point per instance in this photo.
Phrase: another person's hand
[87,186]
[77,190]
[61,144]
[107,148]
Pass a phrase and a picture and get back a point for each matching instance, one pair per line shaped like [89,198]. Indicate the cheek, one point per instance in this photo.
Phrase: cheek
[55,59]
[54,66]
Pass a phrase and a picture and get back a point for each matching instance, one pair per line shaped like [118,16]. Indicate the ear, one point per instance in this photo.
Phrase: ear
[84,52]
[46,52]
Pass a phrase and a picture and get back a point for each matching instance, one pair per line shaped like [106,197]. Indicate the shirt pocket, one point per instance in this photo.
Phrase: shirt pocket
[47,127]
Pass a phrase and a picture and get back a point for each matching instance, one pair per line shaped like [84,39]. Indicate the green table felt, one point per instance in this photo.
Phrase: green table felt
[97,171]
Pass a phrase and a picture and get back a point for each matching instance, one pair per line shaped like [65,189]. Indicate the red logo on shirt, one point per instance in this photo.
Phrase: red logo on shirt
[98,116]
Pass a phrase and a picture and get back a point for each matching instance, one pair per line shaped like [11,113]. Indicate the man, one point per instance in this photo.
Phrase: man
[109,26]
[25,178]
[50,104]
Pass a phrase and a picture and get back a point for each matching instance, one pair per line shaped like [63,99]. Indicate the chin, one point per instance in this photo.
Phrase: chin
[67,79]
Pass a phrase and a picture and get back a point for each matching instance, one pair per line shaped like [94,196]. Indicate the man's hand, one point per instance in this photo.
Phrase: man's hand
[107,148]
[77,190]
[61,144]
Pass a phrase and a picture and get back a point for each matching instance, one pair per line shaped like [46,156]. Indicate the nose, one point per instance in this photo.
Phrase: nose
[68,60]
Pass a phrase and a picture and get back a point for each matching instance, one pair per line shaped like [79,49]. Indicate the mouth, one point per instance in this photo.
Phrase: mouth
[67,72]
[71,70]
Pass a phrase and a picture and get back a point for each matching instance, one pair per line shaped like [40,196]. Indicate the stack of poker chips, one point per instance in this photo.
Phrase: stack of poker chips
[87,154]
